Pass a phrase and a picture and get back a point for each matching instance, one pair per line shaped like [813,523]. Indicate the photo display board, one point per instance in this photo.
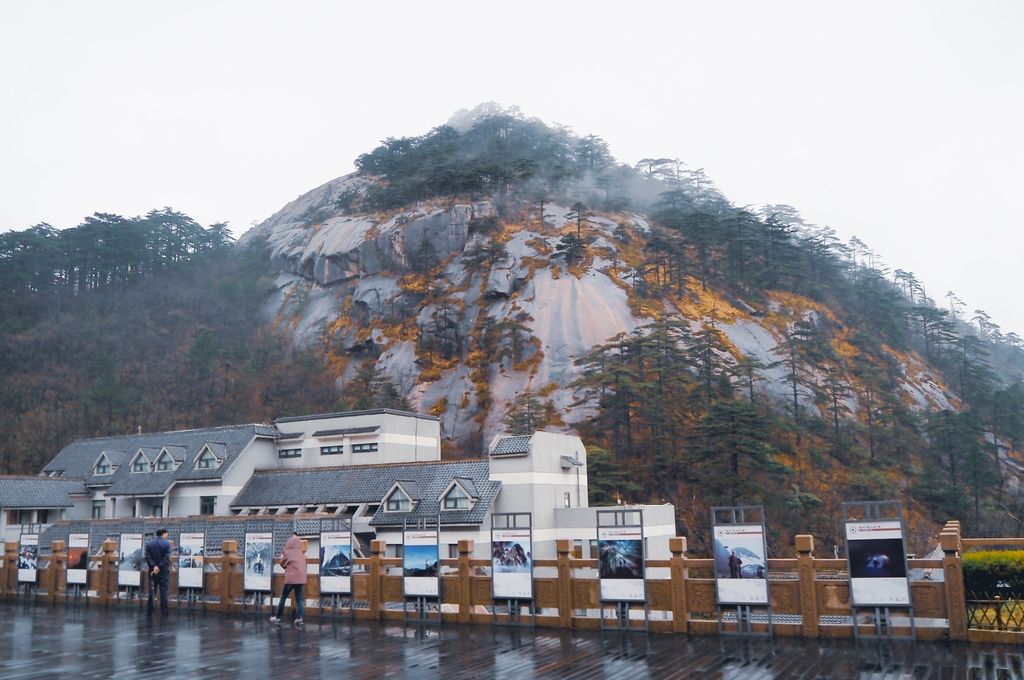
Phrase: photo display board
[421,564]
[191,560]
[620,562]
[876,554]
[336,562]
[259,561]
[28,558]
[512,563]
[130,560]
[78,559]
[741,564]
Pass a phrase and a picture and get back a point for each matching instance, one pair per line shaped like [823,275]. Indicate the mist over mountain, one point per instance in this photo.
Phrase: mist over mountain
[507,275]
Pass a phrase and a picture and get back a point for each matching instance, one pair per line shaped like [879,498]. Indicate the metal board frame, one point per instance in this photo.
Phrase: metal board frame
[623,518]
[879,511]
[259,596]
[337,525]
[190,594]
[131,591]
[743,515]
[421,602]
[75,591]
[513,521]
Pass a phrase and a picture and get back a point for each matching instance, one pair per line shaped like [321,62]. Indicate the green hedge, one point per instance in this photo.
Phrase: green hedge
[994,572]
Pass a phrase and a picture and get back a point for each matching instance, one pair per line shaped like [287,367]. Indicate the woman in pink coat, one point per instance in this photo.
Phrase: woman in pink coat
[294,562]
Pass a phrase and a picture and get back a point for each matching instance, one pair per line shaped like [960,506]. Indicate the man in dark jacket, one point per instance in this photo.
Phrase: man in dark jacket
[158,560]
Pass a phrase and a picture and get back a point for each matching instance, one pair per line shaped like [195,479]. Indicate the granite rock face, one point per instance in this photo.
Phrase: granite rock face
[463,306]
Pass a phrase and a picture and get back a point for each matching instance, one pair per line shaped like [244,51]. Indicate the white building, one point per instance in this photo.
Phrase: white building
[380,469]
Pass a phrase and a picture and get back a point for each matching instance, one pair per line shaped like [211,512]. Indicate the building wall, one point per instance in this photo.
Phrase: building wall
[538,483]
[400,439]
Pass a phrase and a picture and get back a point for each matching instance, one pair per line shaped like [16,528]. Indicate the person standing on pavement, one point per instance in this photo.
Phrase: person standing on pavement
[158,560]
[294,562]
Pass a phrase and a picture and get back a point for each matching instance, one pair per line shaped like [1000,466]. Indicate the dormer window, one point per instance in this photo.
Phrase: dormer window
[206,460]
[398,501]
[164,463]
[140,463]
[456,499]
[102,467]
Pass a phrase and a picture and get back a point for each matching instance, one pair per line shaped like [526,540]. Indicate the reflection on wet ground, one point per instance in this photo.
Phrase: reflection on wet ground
[92,642]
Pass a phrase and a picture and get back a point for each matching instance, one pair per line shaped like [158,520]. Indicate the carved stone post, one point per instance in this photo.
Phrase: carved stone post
[10,578]
[677,566]
[376,595]
[465,582]
[808,591]
[564,548]
[953,573]
[108,573]
[57,571]
[226,590]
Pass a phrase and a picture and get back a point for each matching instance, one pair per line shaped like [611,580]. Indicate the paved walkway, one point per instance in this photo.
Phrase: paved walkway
[77,642]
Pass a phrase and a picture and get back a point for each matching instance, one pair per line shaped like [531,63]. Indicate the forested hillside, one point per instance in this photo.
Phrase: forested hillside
[506,275]
[126,323]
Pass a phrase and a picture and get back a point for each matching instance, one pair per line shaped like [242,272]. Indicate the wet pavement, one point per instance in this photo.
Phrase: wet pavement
[93,642]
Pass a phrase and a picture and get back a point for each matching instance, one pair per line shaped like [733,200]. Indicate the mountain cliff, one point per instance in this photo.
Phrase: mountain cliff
[503,274]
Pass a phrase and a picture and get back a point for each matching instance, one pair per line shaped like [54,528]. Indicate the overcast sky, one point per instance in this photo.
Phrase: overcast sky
[898,122]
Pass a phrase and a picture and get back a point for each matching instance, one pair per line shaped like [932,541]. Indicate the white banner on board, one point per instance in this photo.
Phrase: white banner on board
[878,566]
[512,563]
[620,563]
[130,560]
[78,559]
[28,558]
[259,561]
[421,564]
[336,562]
[741,565]
[191,560]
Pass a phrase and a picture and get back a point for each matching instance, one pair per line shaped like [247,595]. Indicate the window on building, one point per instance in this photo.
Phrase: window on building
[157,510]
[207,505]
[453,551]
[394,550]
[289,453]
[567,500]
[140,465]
[207,460]
[99,509]
[42,516]
[165,463]
[102,467]
[398,502]
[331,450]
[456,499]
[14,517]
[593,549]
[364,448]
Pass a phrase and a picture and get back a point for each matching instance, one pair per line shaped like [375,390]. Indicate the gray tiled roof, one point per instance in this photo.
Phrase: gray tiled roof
[291,435]
[177,453]
[38,492]
[411,488]
[469,486]
[77,458]
[115,457]
[346,414]
[369,484]
[347,430]
[518,445]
